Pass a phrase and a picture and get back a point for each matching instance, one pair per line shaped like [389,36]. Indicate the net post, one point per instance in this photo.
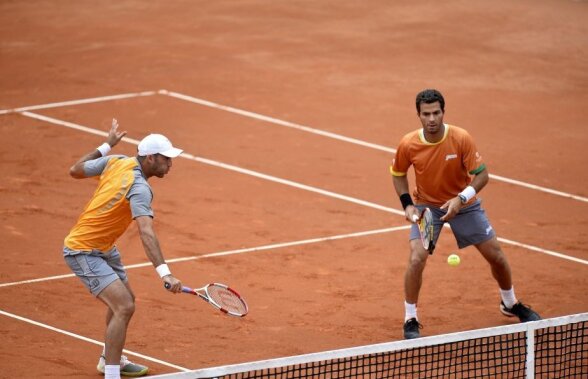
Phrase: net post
[530,360]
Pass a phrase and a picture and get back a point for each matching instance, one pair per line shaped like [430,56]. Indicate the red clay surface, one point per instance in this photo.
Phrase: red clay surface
[513,74]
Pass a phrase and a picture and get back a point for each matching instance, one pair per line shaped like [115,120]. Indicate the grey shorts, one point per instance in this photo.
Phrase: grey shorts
[95,269]
[470,226]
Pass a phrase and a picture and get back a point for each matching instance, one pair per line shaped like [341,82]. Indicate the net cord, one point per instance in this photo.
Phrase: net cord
[528,328]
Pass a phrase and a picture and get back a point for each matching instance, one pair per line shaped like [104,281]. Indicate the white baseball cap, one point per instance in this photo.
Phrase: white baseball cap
[158,144]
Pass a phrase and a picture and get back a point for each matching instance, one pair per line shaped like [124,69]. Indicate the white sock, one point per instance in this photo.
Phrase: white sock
[112,372]
[410,311]
[508,297]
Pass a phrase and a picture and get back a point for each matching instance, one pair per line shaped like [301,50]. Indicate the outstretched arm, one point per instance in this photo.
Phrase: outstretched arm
[114,137]
[153,252]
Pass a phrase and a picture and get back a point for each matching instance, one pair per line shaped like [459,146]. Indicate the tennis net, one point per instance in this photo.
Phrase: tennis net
[551,348]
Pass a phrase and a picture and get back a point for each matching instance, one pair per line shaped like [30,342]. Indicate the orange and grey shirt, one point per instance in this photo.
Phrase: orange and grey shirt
[122,195]
[442,169]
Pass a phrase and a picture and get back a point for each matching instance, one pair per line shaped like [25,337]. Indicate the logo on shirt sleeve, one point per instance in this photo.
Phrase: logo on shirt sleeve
[450,156]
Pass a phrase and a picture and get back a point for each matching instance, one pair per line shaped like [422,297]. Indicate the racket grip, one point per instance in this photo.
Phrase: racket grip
[415,218]
[184,289]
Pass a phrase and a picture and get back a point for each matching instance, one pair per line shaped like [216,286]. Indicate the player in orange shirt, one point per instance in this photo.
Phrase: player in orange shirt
[122,195]
[449,172]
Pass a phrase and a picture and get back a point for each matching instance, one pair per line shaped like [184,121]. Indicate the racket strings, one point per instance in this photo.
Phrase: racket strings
[427,229]
[227,299]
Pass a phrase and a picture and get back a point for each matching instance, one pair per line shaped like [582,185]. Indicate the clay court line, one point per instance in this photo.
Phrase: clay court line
[287,182]
[78,102]
[231,252]
[169,261]
[370,145]
[272,120]
[276,121]
[223,165]
[86,339]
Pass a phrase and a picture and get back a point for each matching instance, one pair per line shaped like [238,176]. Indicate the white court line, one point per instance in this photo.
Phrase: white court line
[78,102]
[286,182]
[543,251]
[225,166]
[248,172]
[86,339]
[308,129]
[277,122]
[170,261]
[231,252]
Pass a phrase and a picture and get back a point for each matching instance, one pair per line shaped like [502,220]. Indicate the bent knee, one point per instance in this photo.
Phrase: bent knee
[417,260]
[496,257]
[125,310]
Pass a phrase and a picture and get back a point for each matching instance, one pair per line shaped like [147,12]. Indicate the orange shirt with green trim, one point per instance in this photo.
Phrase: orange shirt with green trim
[442,169]
[108,214]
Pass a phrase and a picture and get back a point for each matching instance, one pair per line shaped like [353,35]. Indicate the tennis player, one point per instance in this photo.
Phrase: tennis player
[122,195]
[449,172]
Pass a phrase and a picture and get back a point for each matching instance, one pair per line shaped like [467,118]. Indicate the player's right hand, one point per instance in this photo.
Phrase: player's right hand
[412,214]
[172,284]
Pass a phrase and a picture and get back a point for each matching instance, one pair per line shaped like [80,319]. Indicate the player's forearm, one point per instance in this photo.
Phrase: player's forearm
[480,181]
[113,138]
[77,170]
[152,248]
[400,184]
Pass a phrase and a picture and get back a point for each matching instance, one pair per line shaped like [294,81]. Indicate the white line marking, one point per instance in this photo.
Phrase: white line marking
[296,185]
[238,251]
[539,188]
[288,244]
[78,102]
[275,121]
[86,339]
[543,251]
[169,261]
[226,166]
[232,252]
[282,181]
[45,279]
[278,180]
[71,125]
[308,129]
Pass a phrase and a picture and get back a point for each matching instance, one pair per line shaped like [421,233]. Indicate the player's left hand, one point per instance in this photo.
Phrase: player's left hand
[114,136]
[452,206]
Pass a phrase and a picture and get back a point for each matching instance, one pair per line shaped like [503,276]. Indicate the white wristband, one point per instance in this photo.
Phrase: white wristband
[468,193]
[163,270]
[104,148]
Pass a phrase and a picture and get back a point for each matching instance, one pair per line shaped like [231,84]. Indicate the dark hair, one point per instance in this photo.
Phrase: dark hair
[429,96]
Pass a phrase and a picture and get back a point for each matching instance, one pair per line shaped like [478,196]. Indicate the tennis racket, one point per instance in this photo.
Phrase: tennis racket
[427,230]
[220,296]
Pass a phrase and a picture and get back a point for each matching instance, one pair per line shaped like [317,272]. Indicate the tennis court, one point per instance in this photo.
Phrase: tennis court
[289,114]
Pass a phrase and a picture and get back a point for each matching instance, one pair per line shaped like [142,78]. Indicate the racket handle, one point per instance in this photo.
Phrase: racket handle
[184,289]
[415,218]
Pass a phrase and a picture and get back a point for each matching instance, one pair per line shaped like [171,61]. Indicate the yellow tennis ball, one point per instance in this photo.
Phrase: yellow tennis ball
[453,260]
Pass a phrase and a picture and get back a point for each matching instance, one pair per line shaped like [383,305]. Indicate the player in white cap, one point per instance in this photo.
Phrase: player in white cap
[122,195]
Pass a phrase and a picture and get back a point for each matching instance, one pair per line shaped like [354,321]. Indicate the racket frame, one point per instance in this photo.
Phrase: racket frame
[428,243]
[205,295]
